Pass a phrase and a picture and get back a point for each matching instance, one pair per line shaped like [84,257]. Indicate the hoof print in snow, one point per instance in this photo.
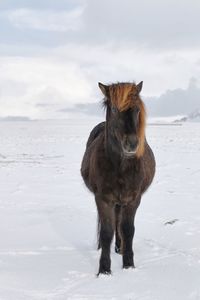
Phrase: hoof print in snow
[171,222]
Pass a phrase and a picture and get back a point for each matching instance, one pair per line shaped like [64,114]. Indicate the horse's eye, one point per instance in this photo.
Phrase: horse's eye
[114,109]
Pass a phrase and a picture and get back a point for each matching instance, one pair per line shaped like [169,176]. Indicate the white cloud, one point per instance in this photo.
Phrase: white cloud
[33,81]
[160,70]
[151,23]
[40,87]
[100,41]
[48,20]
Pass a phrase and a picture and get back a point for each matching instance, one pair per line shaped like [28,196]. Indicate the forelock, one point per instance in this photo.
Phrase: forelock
[121,95]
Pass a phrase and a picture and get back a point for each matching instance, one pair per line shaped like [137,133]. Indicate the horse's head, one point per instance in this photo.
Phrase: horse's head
[125,117]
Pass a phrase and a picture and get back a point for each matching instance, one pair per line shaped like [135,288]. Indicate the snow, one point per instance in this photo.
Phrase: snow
[48,218]
[166,120]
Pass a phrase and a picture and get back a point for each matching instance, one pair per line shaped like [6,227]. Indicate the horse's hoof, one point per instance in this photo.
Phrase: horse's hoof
[117,249]
[104,273]
[129,267]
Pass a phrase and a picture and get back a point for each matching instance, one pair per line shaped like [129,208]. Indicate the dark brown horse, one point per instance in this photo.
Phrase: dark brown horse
[118,166]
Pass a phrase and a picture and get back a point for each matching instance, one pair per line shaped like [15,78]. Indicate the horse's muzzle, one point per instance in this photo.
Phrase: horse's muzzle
[129,145]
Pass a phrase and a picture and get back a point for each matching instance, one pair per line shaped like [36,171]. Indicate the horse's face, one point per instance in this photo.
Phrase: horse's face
[125,117]
[124,127]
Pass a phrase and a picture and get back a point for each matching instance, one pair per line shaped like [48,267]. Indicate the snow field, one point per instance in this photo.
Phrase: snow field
[48,217]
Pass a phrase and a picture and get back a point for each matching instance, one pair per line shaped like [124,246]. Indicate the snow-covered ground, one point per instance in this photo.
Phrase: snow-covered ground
[48,218]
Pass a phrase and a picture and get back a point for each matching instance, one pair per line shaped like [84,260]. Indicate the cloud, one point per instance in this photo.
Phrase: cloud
[53,53]
[41,87]
[155,23]
[159,70]
[47,20]
[41,5]
[33,81]
[151,24]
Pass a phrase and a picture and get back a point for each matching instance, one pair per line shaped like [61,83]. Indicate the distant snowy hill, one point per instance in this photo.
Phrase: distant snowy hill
[14,119]
[192,117]
[93,109]
[175,102]
[177,105]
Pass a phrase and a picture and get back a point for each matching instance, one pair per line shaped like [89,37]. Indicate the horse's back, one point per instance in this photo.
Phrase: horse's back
[149,165]
[95,133]
[89,155]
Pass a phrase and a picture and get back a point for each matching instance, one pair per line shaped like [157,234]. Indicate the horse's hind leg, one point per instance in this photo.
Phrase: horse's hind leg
[106,215]
[118,242]
[128,230]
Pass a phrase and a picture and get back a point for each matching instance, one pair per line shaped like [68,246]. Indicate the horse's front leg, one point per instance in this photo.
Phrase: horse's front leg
[118,243]
[128,230]
[106,216]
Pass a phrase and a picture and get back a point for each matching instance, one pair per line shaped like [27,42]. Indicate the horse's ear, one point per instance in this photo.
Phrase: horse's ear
[139,86]
[104,88]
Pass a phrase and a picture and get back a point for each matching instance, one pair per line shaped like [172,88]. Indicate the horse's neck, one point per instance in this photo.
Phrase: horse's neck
[113,152]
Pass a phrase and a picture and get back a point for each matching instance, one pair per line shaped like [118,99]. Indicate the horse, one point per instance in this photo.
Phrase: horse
[118,166]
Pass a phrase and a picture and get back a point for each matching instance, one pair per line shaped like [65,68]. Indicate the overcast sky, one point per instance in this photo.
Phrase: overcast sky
[53,53]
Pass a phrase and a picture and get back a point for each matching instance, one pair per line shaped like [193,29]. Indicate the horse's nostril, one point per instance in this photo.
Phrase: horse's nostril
[132,147]
[130,143]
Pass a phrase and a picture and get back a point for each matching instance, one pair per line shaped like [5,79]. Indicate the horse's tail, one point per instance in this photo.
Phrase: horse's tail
[98,232]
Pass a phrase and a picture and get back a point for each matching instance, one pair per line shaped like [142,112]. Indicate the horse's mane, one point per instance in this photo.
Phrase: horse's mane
[121,95]
[124,96]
